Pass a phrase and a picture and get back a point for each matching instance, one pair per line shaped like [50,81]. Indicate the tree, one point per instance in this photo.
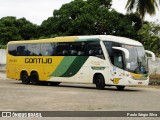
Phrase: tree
[90,17]
[149,37]
[16,29]
[142,7]
[27,30]
[8,31]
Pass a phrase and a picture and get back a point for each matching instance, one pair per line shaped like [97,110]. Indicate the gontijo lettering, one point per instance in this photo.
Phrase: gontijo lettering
[39,60]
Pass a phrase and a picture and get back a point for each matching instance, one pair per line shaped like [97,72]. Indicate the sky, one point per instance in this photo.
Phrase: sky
[36,11]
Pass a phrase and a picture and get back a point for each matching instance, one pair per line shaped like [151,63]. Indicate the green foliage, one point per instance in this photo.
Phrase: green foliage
[81,17]
[16,29]
[150,38]
[8,31]
[27,30]
[142,7]
[3,46]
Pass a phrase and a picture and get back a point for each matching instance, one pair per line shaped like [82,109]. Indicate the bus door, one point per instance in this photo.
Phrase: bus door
[116,70]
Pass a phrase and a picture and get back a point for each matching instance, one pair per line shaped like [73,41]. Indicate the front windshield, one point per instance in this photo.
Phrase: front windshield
[137,60]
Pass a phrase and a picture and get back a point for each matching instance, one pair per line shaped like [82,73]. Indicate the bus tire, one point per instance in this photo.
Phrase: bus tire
[99,81]
[54,83]
[25,78]
[34,78]
[120,88]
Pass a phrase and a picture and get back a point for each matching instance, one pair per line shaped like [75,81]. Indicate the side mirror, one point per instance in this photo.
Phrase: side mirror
[126,52]
[152,54]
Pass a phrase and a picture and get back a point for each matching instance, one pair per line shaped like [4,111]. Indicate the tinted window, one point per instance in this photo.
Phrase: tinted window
[78,48]
[91,48]
[94,49]
[109,46]
[34,49]
[22,50]
[12,49]
[47,49]
[62,49]
[116,56]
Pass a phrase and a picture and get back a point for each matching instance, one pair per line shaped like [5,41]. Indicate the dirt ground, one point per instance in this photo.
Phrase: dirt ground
[15,96]
[77,97]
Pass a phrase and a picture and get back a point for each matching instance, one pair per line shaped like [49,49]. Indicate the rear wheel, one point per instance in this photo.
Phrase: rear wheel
[120,88]
[25,78]
[99,81]
[34,78]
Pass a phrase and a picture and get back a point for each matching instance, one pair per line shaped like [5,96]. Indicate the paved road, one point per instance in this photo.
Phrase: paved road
[15,96]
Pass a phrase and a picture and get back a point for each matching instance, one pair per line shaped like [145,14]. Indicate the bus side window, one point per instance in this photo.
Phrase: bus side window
[78,48]
[100,52]
[47,49]
[94,49]
[12,49]
[22,50]
[61,49]
[34,49]
[91,48]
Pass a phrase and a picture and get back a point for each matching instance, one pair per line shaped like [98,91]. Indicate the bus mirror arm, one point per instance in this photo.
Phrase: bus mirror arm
[126,52]
[152,54]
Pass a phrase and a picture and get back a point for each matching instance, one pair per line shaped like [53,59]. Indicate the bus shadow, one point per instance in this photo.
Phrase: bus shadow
[127,89]
[106,88]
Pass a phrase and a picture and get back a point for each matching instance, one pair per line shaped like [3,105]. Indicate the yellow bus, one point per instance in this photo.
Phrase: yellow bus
[103,60]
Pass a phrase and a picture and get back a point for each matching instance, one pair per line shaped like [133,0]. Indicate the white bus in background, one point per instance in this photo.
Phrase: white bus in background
[103,60]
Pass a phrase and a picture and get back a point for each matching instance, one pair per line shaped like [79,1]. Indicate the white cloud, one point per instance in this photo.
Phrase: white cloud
[34,10]
[119,5]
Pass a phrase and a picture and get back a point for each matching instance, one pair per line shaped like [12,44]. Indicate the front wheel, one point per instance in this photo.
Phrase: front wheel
[99,81]
[120,88]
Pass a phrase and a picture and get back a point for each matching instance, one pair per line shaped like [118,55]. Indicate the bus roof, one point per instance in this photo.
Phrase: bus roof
[118,39]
